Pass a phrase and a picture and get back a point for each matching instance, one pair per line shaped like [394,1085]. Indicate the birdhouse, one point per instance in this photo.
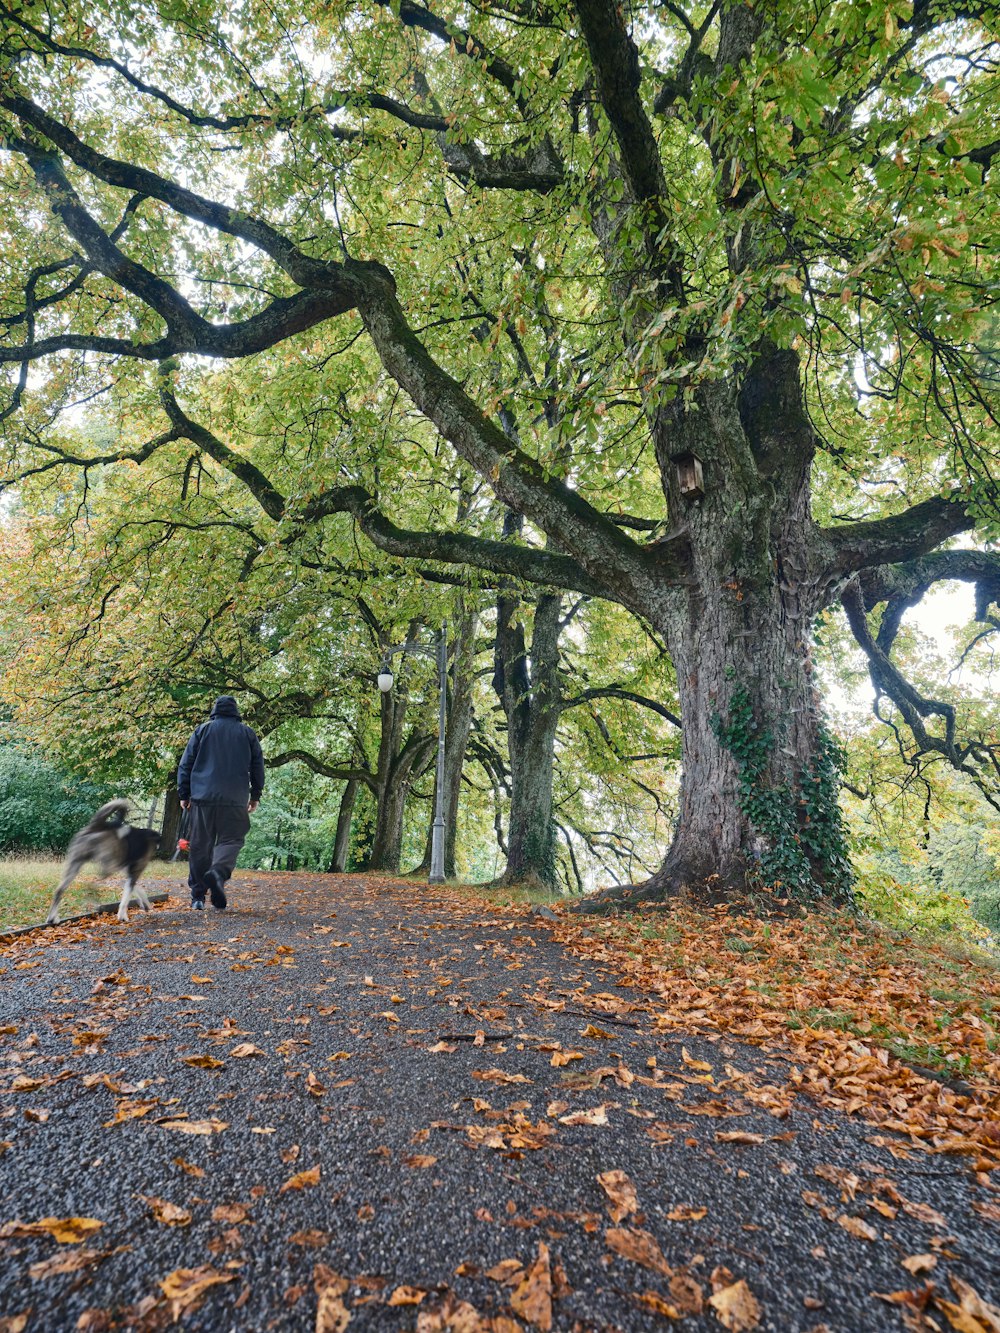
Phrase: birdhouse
[690,475]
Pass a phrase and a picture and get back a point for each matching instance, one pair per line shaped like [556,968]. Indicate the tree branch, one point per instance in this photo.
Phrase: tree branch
[616,692]
[915,532]
[335,772]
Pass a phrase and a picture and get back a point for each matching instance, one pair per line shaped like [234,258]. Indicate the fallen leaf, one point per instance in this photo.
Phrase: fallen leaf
[597,1116]
[639,1247]
[244,1050]
[189,1168]
[184,1287]
[407,1296]
[687,1214]
[311,1239]
[66,1230]
[620,1190]
[691,1063]
[562,1058]
[738,1136]
[212,1126]
[532,1297]
[65,1261]
[857,1228]
[499,1076]
[591,1031]
[314,1085]
[170,1214]
[736,1307]
[233,1213]
[652,1300]
[919,1263]
[419,1160]
[301,1180]
[972,1314]
[203,1062]
[332,1315]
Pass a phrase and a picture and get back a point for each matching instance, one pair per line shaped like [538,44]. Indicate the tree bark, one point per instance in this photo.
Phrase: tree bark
[460,713]
[342,841]
[171,823]
[526,682]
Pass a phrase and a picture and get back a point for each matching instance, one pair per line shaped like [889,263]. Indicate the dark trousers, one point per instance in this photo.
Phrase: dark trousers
[216,835]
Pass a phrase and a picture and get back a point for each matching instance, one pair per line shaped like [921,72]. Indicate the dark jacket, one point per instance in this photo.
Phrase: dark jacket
[223,761]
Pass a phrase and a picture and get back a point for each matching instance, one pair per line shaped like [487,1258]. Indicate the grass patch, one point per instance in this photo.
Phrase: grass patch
[27,885]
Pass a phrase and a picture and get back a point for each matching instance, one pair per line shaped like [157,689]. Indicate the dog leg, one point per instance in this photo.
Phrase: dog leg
[140,893]
[68,876]
[123,905]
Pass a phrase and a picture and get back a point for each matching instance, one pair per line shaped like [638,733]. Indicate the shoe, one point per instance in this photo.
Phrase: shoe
[197,905]
[215,890]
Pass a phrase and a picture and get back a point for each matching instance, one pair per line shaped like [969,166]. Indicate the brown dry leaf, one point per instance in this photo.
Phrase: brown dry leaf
[442,1047]
[420,1161]
[301,1180]
[91,1321]
[407,1296]
[701,1065]
[332,1315]
[189,1168]
[687,1294]
[66,1230]
[168,1213]
[620,1190]
[972,1314]
[453,1316]
[203,1062]
[499,1076]
[311,1239]
[598,1116]
[203,981]
[652,1300]
[638,1246]
[212,1126]
[687,1214]
[314,1085]
[736,1307]
[923,1212]
[244,1050]
[66,1261]
[919,1263]
[230,1212]
[127,1109]
[184,1287]
[14,1323]
[738,1136]
[532,1297]
[591,1031]
[562,1058]
[857,1228]
[505,1270]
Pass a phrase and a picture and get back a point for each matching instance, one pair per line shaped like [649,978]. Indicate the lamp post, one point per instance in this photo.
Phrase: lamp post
[440,651]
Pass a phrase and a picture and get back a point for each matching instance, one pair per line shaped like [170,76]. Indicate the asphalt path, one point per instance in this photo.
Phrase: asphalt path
[348,1102]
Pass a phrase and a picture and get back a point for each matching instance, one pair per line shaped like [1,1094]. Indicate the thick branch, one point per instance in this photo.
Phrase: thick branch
[915,532]
[335,772]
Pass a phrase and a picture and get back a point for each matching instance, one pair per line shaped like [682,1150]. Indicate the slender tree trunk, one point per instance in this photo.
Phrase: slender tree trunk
[460,712]
[171,823]
[531,699]
[342,841]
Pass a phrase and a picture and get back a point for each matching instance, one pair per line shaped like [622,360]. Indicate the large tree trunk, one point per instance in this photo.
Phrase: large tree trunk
[342,841]
[759,786]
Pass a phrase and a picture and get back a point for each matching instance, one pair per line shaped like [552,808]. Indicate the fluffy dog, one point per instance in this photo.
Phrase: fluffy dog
[114,845]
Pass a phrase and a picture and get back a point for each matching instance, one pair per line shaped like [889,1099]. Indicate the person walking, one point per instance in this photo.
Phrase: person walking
[219,782]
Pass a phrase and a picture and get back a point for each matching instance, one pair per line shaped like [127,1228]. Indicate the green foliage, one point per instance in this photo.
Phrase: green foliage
[804,850]
[41,806]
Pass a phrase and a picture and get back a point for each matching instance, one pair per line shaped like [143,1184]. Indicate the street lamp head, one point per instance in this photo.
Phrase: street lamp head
[385,679]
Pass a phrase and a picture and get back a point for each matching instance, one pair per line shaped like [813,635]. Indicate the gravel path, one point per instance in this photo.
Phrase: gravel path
[347,1100]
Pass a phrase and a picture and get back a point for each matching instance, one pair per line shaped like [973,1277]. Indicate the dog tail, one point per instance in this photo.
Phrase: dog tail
[105,816]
